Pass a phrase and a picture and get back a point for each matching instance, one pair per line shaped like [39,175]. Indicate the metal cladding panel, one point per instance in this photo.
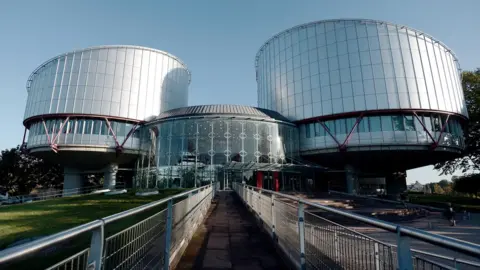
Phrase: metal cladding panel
[236,110]
[122,81]
[339,66]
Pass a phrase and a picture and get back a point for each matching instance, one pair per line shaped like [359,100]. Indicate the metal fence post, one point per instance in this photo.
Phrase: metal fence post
[168,235]
[96,249]
[404,255]
[377,256]
[273,218]
[336,246]
[259,200]
[301,234]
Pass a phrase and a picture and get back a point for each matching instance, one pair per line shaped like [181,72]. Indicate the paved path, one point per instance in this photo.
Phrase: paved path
[230,239]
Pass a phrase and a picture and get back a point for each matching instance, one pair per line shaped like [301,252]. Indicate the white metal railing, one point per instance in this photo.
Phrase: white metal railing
[151,243]
[311,241]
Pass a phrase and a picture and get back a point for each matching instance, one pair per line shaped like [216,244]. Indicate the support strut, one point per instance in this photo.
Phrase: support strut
[118,146]
[343,147]
[435,142]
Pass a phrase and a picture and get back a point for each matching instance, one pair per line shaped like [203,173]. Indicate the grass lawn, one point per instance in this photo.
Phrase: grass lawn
[440,201]
[47,217]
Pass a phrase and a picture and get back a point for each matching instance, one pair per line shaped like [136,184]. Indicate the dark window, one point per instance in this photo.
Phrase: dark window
[319,130]
[398,124]
[375,125]
[330,126]
[387,123]
[409,123]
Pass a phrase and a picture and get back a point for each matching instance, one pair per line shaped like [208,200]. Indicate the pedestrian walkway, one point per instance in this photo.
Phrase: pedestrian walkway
[230,239]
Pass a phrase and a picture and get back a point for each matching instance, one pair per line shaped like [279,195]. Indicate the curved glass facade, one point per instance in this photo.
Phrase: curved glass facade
[333,67]
[206,144]
[83,131]
[123,81]
[398,129]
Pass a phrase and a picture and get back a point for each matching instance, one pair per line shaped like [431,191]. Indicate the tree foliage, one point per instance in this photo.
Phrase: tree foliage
[20,172]
[437,189]
[469,184]
[471,158]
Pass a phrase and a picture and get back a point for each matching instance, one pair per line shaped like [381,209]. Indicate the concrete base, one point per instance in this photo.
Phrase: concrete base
[72,181]
[396,183]
[351,179]
[110,176]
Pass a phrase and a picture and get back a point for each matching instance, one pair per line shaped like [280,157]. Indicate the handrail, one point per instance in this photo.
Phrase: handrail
[27,248]
[148,206]
[21,250]
[447,242]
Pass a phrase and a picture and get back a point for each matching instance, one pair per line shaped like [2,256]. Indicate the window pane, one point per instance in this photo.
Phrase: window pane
[363,125]
[340,126]
[80,124]
[319,130]
[398,124]
[387,123]
[331,126]
[96,127]
[436,123]
[409,123]
[104,128]
[375,124]
[88,126]
[307,130]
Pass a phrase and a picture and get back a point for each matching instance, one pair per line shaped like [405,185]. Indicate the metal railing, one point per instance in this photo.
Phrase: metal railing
[48,195]
[152,243]
[306,234]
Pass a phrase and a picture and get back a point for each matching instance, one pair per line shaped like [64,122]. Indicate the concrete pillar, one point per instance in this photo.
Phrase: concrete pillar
[110,176]
[351,179]
[72,181]
[395,184]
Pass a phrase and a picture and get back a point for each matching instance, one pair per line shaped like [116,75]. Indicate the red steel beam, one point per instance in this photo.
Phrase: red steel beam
[436,143]
[113,133]
[46,132]
[330,133]
[345,143]
[128,135]
[60,130]
[424,127]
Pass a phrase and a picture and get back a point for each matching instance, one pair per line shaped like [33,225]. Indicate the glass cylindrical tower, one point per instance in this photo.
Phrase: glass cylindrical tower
[84,108]
[357,87]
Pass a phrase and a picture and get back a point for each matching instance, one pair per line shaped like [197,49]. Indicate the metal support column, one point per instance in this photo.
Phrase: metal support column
[301,234]
[96,249]
[274,222]
[404,255]
[168,235]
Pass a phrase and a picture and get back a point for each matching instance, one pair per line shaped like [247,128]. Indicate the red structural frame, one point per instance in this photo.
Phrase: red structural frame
[342,147]
[52,139]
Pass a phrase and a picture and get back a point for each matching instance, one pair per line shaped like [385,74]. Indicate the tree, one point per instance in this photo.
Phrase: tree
[448,189]
[437,189]
[20,172]
[444,183]
[471,158]
[469,184]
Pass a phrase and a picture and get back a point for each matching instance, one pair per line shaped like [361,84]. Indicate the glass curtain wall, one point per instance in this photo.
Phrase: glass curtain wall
[191,152]
[406,129]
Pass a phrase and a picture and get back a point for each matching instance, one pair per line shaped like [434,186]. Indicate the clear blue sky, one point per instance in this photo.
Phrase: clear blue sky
[217,39]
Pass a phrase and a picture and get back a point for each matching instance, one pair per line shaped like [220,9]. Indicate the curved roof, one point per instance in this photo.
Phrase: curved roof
[337,20]
[107,47]
[222,109]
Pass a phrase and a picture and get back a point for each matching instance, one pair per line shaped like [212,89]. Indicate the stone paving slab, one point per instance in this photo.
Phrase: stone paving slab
[230,239]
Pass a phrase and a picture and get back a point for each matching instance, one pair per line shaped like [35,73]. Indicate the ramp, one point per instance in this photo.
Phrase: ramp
[230,239]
